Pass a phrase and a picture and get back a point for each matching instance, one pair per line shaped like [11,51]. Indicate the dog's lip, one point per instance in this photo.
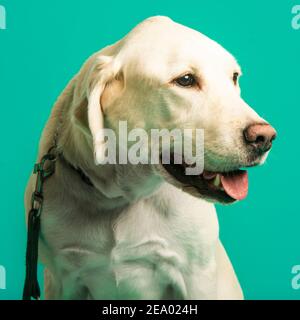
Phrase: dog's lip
[210,184]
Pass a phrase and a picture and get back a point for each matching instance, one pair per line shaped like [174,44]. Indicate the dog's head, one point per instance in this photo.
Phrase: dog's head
[164,75]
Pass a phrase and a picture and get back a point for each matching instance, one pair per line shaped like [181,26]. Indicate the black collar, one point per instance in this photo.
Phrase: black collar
[82,175]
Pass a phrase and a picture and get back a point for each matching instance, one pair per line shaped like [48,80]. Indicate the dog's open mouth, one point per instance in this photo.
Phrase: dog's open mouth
[224,187]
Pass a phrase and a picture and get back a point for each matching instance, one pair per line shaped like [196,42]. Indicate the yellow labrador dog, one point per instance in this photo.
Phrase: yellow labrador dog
[146,231]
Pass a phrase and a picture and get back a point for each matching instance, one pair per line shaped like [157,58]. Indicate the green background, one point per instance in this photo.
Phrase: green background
[44,46]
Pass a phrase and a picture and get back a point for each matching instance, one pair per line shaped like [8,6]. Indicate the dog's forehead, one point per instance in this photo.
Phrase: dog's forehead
[159,44]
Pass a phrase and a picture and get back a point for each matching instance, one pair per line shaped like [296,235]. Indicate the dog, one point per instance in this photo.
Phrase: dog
[146,231]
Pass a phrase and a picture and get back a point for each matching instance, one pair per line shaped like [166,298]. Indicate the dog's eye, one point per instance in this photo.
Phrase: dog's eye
[187,81]
[235,78]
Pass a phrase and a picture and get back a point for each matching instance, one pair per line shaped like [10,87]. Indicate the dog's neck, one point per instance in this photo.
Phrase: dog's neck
[114,181]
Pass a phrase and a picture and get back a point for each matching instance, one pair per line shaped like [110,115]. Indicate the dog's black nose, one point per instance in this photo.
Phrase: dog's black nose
[260,136]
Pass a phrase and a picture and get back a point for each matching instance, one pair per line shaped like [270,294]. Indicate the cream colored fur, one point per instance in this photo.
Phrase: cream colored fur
[135,235]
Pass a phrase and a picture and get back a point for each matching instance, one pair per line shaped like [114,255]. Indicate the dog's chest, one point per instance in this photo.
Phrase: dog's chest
[168,238]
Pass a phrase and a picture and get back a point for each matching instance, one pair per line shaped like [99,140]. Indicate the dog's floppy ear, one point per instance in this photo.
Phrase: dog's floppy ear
[88,113]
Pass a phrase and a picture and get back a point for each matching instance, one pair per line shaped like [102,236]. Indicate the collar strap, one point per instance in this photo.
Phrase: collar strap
[79,171]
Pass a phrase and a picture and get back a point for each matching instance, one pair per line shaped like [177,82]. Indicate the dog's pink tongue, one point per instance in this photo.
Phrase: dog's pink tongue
[235,184]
